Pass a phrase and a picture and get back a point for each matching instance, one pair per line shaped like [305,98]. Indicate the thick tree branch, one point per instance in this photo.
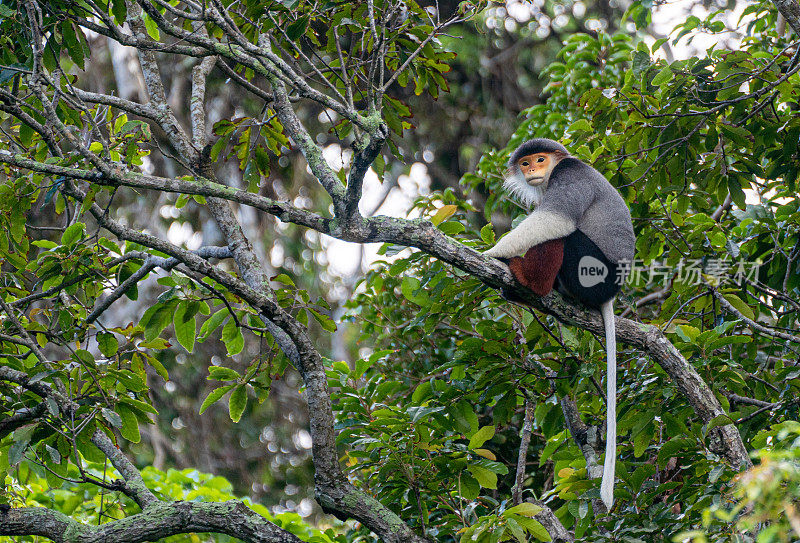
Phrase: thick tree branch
[362,161]
[423,235]
[790,10]
[159,521]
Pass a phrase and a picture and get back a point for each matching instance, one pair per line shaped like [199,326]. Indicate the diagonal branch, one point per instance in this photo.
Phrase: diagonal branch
[150,263]
[334,492]
[311,151]
[790,10]
[423,235]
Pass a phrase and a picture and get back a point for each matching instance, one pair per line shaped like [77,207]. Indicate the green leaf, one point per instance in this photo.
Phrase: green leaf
[516,530]
[237,402]
[155,319]
[21,440]
[739,304]
[186,324]
[213,322]
[535,528]
[658,43]
[486,478]
[232,338]
[112,417]
[525,509]
[552,444]
[297,28]
[642,441]
[139,406]
[125,271]
[410,287]
[662,77]
[451,228]
[261,158]
[580,125]
[130,424]
[480,437]
[671,448]
[252,177]
[151,27]
[736,192]
[221,373]
[285,279]
[55,456]
[73,233]
[215,395]
[487,234]
[120,11]
[107,343]
[325,321]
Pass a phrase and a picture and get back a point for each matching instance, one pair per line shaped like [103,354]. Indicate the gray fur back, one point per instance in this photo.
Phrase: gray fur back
[580,192]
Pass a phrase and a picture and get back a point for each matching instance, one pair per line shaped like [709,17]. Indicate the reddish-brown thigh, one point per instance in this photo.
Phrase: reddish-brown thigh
[538,269]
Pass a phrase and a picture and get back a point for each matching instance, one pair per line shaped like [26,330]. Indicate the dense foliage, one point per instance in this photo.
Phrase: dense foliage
[445,378]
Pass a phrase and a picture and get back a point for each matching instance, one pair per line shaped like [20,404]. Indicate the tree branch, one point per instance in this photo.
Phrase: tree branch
[133,485]
[423,235]
[150,263]
[524,442]
[790,10]
[362,161]
[162,520]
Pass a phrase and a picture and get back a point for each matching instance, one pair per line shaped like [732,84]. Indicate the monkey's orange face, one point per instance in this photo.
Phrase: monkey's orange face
[536,167]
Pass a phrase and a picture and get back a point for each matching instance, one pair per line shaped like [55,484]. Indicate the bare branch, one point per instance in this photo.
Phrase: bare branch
[155,90]
[358,169]
[202,187]
[750,322]
[150,263]
[257,57]
[524,442]
[197,105]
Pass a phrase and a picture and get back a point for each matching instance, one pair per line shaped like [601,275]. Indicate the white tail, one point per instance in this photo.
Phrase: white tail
[607,484]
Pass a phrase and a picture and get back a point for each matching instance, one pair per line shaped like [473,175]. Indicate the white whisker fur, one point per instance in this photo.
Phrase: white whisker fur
[518,187]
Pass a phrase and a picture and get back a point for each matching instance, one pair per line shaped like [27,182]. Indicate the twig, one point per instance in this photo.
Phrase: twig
[525,440]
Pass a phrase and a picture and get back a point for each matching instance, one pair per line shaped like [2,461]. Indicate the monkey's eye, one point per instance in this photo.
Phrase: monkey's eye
[540,159]
[524,163]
